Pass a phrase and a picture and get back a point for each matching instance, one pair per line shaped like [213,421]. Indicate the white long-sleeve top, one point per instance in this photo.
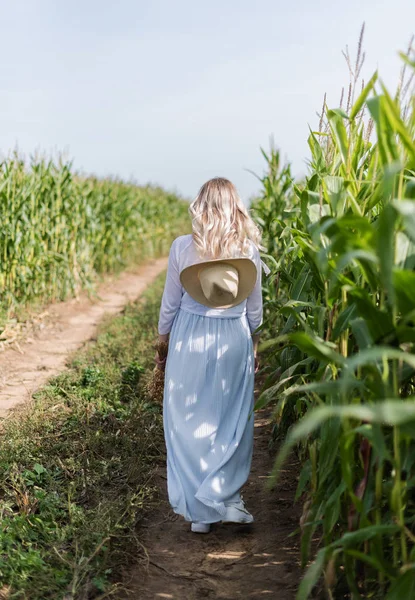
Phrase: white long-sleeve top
[183,254]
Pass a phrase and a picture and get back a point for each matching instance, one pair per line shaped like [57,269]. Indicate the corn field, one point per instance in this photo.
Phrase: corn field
[59,230]
[339,342]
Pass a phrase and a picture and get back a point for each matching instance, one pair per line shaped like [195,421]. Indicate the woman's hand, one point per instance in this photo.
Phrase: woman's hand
[256,363]
[160,363]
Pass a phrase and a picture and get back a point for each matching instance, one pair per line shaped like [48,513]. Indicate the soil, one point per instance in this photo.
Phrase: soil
[233,561]
[27,364]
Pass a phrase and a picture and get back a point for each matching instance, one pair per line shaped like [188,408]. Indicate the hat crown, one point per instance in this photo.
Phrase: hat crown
[219,283]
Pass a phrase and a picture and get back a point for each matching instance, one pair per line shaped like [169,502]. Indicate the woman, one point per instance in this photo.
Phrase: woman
[211,305]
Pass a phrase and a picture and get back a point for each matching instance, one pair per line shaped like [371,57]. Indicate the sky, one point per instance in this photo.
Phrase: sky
[176,92]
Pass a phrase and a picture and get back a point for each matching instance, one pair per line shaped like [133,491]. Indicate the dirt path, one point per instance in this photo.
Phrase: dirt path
[233,561]
[66,326]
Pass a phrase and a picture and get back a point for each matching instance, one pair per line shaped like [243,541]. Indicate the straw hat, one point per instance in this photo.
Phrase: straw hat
[221,282]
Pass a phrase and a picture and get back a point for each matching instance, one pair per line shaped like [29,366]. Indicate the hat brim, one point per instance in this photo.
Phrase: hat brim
[247,272]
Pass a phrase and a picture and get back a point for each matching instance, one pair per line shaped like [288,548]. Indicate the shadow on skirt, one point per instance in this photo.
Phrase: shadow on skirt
[208,413]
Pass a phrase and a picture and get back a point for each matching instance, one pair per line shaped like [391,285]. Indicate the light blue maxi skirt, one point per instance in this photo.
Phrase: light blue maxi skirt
[208,413]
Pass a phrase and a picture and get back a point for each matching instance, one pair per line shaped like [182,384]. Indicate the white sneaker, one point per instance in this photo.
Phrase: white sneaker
[237,513]
[200,527]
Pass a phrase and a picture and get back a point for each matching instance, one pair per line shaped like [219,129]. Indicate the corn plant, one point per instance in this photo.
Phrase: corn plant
[339,322]
[59,230]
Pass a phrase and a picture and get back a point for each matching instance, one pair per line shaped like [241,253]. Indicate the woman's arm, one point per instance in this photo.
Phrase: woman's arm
[172,295]
[254,307]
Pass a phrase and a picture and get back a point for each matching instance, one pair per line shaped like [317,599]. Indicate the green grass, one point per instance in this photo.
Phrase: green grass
[75,468]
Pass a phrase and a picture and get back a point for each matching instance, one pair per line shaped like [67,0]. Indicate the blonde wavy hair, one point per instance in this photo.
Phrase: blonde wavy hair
[221,224]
